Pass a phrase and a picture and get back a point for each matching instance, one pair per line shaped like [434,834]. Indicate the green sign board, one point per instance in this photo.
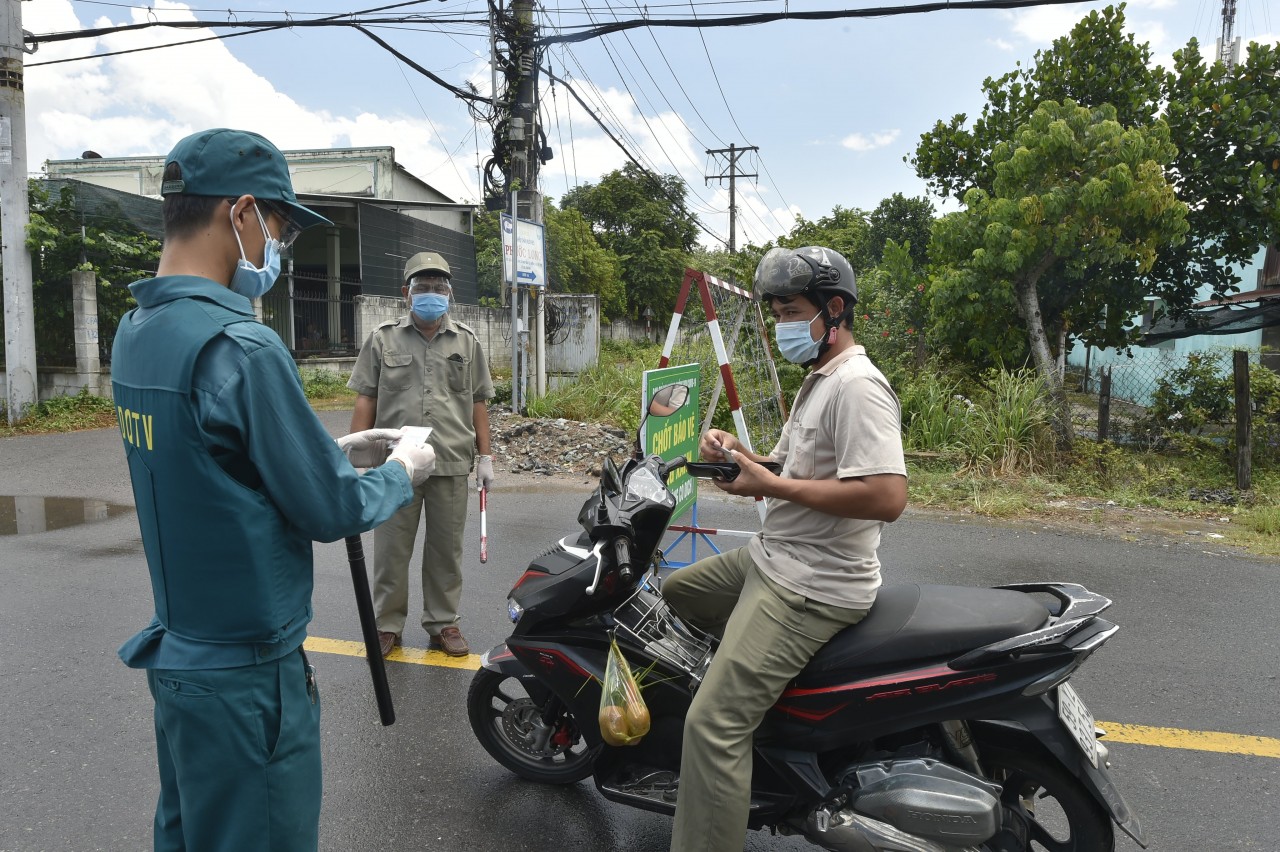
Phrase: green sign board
[674,434]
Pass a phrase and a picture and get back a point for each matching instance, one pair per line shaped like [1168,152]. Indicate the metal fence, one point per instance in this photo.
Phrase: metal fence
[313,315]
[1142,400]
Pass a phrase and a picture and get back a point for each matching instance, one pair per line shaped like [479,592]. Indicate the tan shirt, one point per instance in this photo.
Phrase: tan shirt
[846,422]
[420,382]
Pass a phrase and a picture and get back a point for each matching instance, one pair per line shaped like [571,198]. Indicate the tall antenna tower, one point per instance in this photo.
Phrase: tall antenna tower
[1228,47]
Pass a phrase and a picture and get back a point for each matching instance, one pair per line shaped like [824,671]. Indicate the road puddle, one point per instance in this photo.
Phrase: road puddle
[27,515]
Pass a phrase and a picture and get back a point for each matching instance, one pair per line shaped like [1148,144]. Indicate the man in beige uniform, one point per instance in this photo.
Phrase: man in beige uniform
[425,369]
[812,570]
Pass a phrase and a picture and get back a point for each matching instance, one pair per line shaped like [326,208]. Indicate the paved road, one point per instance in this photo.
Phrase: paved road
[1196,651]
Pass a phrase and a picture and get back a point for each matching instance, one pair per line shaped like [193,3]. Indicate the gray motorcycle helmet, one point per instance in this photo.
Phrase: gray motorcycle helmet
[791,272]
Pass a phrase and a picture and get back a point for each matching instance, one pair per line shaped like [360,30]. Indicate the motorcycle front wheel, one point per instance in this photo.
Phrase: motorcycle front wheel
[1046,808]
[510,725]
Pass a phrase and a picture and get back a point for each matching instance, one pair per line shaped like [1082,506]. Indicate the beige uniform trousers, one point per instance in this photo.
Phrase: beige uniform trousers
[443,499]
[768,635]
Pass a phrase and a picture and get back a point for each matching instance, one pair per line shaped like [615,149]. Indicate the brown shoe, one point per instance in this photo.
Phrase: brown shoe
[388,641]
[451,642]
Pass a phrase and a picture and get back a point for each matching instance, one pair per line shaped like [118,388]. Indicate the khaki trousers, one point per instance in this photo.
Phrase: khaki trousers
[443,499]
[768,635]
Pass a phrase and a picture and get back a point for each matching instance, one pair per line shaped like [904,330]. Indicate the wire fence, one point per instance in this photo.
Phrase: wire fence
[1152,399]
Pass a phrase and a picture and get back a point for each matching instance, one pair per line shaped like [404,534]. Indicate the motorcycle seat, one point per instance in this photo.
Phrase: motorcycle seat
[922,622]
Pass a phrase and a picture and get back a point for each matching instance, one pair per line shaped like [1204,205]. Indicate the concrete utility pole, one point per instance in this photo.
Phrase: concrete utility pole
[19,306]
[518,152]
[732,154]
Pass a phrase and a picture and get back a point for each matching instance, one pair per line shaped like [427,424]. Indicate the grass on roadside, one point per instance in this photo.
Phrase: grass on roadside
[607,393]
[327,389]
[63,414]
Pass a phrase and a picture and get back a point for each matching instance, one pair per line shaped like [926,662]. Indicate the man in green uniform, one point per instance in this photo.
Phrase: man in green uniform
[426,369]
[234,477]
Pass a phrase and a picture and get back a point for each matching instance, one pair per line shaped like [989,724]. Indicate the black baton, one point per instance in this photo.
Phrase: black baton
[369,628]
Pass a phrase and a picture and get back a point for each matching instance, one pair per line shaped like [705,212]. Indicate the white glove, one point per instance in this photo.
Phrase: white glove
[368,448]
[418,459]
[484,473]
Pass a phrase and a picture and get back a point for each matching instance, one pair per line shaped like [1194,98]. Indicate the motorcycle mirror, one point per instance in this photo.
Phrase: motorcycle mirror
[669,400]
[666,402]
[610,478]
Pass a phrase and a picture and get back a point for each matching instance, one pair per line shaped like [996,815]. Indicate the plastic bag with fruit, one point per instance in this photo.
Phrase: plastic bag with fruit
[624,718]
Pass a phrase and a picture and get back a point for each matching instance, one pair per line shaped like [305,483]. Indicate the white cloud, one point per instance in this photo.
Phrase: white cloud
[1000,44]
[142,103]
[1040,25]
[869,142]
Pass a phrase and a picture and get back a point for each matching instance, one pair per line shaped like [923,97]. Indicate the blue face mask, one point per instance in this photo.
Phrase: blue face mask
[248,280]
[429,307]
[795,341]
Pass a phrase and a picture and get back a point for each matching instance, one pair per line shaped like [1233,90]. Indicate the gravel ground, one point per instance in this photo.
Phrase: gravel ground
[553,447]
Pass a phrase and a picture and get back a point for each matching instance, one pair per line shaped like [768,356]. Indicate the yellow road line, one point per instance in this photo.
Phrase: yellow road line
[1117,732]
[398,654]
[1194,740]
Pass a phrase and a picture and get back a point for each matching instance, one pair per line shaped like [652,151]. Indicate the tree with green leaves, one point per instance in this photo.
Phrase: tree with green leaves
[905,221]
[62,239]
[1074,192]
[645,221]
[1226,124]
[845,229]
[576,262]
[1222,122]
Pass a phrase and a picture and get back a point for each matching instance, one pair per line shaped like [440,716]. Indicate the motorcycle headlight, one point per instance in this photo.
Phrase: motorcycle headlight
[514,610]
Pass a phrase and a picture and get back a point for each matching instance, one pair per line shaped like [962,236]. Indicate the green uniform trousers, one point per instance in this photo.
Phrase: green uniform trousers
[768,634]
[443,499]
[239,756]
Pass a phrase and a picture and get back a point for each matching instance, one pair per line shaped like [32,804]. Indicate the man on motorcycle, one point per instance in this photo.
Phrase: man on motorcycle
[812,570]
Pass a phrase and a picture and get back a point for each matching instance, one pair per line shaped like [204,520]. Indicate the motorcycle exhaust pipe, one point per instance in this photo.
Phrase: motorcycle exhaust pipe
[846,831]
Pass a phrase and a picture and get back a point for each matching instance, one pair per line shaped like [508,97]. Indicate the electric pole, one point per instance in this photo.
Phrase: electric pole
[19,306]
[732,154]
[511,180]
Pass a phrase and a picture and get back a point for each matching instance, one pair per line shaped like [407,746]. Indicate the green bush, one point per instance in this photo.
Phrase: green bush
[324,384]
[63,414]
[934,413]
[1002,426]
[1197,400]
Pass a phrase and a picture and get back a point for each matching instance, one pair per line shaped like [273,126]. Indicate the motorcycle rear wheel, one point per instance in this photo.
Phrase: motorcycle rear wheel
[1047,809]
[508,723]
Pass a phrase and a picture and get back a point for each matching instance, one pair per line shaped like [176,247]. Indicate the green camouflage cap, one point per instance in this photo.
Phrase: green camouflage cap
[230,163]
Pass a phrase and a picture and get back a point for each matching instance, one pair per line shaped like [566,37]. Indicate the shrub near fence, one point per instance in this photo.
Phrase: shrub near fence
[1177,401]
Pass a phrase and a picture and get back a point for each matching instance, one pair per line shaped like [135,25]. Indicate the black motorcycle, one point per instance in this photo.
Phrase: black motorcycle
[943,722]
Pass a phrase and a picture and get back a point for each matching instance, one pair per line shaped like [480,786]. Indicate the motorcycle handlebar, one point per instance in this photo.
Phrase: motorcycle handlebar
[667,468]
[622,551]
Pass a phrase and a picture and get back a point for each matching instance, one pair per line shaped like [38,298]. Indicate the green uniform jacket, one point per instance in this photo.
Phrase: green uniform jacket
[233,477]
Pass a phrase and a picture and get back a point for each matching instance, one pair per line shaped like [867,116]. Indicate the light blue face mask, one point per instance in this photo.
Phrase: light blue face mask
[795,341]
[429,307]
[248,280]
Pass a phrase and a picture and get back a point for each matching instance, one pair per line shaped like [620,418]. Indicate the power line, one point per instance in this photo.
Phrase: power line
[707,207]
[657,181]
[332,21]
[152,47]
[769,17]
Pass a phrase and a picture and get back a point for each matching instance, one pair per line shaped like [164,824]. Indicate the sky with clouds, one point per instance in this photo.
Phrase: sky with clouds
[833,106]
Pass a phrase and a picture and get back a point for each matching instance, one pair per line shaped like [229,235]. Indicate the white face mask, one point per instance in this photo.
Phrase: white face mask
[248,280]
[795,340]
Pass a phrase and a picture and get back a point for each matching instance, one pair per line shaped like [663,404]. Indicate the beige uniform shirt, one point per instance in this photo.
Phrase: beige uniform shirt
[846,422]
[420,382]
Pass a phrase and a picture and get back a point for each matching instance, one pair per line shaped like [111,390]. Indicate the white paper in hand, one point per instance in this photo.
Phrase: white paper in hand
[415,434]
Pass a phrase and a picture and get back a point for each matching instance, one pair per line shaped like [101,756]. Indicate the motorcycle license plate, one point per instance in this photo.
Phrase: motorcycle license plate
[1079,721]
